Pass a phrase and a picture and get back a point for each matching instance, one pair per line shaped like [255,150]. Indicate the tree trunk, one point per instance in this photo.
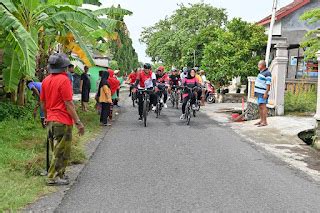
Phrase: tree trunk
[21,93]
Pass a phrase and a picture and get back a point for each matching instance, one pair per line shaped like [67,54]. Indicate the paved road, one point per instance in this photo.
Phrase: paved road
[169,167]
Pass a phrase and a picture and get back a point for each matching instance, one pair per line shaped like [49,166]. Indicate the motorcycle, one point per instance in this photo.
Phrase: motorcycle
[210,93]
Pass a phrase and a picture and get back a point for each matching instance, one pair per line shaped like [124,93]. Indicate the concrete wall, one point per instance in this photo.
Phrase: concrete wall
[293,28]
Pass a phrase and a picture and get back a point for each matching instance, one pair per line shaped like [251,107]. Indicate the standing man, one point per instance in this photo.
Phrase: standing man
[85,87]
[261,91]
[56,100]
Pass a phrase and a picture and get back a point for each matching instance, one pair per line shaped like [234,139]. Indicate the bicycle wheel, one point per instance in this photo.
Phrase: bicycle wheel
[172,98]
[194,113]
[188,116]
[177,100]
[145,112]
[158,110]
[133,96]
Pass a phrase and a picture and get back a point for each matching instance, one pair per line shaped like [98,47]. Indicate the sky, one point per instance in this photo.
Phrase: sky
[148,12]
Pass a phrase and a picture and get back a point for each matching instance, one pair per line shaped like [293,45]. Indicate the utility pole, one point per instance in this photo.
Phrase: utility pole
[273,19]
[194,58]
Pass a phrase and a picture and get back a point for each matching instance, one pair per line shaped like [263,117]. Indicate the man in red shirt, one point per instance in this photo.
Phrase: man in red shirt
[146,79]
[60,114]
[132,80]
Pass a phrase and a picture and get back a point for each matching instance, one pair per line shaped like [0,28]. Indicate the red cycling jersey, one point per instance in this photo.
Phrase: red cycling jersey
[133,77]
[145,80]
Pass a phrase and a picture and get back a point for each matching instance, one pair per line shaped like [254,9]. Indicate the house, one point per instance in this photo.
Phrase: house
[291,30]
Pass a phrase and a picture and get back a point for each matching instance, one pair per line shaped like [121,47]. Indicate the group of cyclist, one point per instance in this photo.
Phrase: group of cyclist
[188,82]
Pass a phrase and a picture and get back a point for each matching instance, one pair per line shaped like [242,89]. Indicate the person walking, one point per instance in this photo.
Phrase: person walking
[261,91]
[114,86]
[104,94]
[85,87]
[60,114]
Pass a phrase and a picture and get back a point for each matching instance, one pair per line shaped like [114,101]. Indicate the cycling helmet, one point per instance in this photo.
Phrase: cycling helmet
[174,69]
[196,69]
[147,66]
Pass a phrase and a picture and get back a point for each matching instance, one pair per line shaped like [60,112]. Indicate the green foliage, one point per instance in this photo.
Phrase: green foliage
[122,49]
[312,39]
[233,51]
[201,35]
[32,29]
[22,148]
[172,40]
[114,65]
[10,111]
[302,101]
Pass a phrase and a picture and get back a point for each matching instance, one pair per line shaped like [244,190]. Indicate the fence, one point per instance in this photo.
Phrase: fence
[297,85]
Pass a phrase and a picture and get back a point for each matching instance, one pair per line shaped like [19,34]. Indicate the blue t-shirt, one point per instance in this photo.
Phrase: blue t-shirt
[36,85]
[262,81]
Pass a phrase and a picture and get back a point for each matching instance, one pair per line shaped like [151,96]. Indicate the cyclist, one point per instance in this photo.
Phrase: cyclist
[184,73]
[132,80]
[201,91]
[146,79]
[189,83]
[162,84]
[174,79]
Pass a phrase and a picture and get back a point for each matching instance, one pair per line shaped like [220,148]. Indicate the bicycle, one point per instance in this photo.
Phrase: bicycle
[189,107]
[159,103]
[133,96]
[146,103]
[175,97]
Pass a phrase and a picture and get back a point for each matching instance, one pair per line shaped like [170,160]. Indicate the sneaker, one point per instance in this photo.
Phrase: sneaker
[58,182]
[154,108]
[140,118]
[165,106]
[182,117]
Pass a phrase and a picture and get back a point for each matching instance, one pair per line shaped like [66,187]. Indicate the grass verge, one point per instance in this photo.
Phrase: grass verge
[301,102]
[22,158]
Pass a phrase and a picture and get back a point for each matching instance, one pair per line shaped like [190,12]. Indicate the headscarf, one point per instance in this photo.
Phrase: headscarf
[104,81]
[189,74]
[113,82]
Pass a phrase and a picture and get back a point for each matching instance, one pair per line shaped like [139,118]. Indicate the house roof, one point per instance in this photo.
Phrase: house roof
[284,11]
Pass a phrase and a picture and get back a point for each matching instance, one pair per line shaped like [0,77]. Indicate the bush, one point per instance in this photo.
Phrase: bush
[11,111]
[301,101]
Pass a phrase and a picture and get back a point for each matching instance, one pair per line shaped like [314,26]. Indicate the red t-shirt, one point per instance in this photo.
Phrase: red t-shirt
[145,80]
[56,89]
[133,77]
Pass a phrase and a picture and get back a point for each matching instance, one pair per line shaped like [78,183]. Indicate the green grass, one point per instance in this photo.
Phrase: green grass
[302,102]
[22,158]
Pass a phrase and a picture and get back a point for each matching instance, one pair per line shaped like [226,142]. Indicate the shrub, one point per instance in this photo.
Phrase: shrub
[301,101]
[12,111]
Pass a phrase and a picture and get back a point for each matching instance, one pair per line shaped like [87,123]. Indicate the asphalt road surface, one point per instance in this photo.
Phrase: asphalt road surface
[170,167]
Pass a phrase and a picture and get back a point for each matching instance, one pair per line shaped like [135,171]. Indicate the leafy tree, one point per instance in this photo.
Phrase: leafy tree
[169,40]
[234,51]
[122,49]
[32,29]
[312,39]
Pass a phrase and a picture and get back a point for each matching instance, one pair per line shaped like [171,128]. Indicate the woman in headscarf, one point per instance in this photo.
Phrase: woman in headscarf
[104,95]
[114,85]
[189,83]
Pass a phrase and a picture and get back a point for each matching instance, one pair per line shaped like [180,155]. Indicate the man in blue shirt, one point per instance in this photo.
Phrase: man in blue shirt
[35,87]
[261,91]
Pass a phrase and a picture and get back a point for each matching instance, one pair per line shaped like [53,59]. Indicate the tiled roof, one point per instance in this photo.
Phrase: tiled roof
[284,11]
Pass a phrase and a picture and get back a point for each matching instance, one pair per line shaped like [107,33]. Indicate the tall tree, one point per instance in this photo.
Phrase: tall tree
[169,40]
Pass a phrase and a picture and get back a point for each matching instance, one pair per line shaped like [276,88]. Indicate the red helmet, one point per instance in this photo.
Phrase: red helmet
[161,68]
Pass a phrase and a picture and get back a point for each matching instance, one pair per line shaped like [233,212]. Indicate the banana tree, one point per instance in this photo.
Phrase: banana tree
[32,28]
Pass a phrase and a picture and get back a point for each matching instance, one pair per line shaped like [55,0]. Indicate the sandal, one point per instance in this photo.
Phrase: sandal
[262,125]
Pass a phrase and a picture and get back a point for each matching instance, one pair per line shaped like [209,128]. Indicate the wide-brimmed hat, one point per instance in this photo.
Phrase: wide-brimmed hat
[58,62]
